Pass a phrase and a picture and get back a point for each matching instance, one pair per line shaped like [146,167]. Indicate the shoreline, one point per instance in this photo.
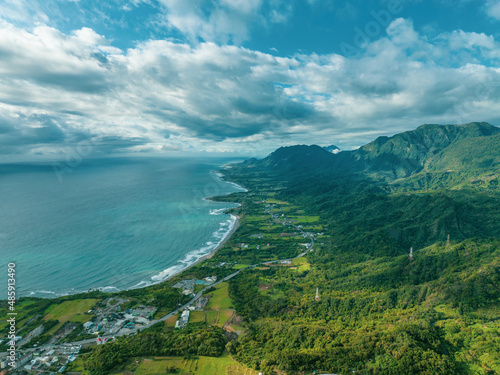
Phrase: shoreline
[219,246]
[212,252]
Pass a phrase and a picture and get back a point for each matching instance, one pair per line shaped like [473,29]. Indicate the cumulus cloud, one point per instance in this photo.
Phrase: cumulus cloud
[57,90]
[222,21]
[493,8]
[459,39]
[23,11]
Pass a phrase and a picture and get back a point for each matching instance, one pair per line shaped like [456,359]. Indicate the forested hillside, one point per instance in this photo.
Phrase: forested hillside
[380,310]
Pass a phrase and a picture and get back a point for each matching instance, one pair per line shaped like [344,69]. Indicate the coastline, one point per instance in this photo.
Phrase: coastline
[201,259]
[219,246]
[223,241]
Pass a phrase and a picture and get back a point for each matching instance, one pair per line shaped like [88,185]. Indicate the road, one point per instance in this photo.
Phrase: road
[169,315]
[135,330]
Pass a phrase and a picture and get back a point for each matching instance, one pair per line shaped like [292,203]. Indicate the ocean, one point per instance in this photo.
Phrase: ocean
[108,224]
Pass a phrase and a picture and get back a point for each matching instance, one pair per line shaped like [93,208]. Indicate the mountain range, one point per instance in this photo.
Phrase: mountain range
[434,190]
[411,189]
[411,157]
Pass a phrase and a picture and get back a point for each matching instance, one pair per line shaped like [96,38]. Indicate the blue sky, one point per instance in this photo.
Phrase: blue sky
[238,76]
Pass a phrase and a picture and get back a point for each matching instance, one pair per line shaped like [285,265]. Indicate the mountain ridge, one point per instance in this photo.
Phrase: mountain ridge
[430,148]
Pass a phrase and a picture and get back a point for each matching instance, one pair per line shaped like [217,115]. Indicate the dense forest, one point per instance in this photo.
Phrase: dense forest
[382,311]
[156,341]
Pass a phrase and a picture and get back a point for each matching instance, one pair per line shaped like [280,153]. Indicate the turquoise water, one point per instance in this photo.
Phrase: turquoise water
[109,224]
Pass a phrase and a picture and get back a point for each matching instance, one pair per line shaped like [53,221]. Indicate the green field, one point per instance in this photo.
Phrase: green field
[23,314]
[249,218]
[220,298]
[202,366]
[274,201]
[70,311]
[196,317]
[270,228]
[302,264]
[224,316]
[212,317]
[170,322]
[239,266]
[305,219]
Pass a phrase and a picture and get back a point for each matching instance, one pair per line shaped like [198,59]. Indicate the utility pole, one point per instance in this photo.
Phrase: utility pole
[411,253]
[317,294]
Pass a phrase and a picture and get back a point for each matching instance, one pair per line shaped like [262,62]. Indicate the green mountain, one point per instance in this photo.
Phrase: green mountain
[440,155]
[411,152]
[378,311]
[319,276]
[410,190]
[296,160]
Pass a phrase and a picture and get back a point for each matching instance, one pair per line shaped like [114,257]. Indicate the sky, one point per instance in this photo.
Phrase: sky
[82,78]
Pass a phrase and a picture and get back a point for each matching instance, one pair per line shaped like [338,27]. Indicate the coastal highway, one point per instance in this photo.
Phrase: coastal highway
[133,330]
[193,300]
[162,319]
[124,332]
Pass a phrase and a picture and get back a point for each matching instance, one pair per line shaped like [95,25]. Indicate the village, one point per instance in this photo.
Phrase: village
[45,360]
[108,319]
[187,288]
[210,303]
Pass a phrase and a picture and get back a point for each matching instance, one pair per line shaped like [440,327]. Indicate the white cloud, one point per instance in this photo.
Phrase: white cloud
[57,89]
[221,21]
[493,8]
[206,20]
[243,6]
[401,32]
[23,11]
[459,39]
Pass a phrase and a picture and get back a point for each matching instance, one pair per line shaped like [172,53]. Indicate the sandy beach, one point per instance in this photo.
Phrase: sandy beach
[221,244]
[211,254]
[223,241]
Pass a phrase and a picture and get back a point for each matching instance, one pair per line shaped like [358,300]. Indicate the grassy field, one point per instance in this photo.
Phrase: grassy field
[250,218]
[239,266]
[201,366]
[170,322]
[302,264]
[197,316]
[224,316]
[212,317]
[220,298]
[198,288]
[23,315]
[70,311]
[305,219]
[274,201]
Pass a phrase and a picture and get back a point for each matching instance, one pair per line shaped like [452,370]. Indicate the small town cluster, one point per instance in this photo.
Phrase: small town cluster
[209,303]
[108,319]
